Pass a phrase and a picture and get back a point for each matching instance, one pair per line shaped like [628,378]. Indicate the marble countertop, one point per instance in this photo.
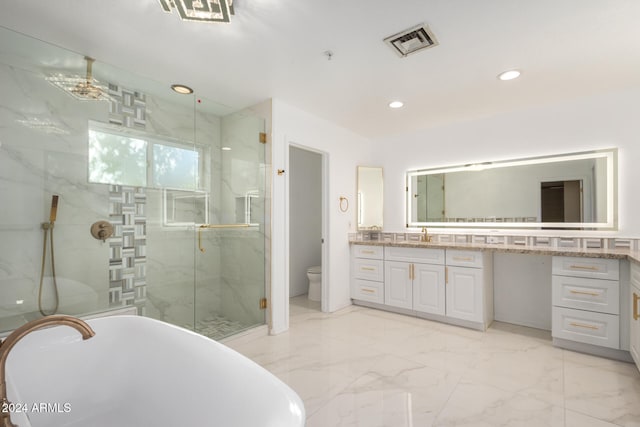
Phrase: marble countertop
[517,249]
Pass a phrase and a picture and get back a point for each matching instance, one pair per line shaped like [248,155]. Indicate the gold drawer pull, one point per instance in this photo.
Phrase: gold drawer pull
[368,251]
[593,294]
[582,325]
[636,299]
[585,267]
[462,258]
[371,291]
[368,268]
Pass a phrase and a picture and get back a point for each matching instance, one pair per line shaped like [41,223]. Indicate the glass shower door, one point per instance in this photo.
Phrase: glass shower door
[230,255]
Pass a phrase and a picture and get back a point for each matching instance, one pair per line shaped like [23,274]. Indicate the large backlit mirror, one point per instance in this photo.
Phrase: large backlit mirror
[369,198]
[570,191]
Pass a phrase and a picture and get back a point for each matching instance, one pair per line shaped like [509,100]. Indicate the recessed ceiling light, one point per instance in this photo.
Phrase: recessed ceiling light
[509,75]
[396,104]
[182,89]
[226,148]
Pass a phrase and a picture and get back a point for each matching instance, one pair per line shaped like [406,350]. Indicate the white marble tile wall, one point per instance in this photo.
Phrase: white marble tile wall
[36,162]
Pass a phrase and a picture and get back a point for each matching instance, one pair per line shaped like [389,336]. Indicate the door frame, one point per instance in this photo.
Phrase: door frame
[325,290]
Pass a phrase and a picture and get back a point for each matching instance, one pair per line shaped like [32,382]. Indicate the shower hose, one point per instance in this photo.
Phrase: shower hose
[48,230]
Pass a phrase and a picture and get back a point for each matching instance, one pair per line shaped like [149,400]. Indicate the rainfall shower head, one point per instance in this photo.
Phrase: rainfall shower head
[82,88]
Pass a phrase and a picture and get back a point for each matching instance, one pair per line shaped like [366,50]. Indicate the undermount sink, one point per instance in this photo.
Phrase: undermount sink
[138,372]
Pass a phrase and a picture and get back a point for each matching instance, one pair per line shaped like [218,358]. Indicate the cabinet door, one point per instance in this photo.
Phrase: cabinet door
[398,289]
[635,323]
[429,288]
[464,293]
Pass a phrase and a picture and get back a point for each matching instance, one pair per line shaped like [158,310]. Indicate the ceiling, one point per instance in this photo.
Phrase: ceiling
[275,48]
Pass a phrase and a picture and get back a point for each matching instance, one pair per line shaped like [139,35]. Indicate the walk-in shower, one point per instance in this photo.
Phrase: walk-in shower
[181,180]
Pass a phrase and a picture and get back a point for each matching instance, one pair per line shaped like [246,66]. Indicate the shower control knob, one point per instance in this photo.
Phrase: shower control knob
[102,230]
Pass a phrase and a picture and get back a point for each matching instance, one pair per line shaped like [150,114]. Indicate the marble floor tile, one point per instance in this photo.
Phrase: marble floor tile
[606,390]
[365,367]
[481,405]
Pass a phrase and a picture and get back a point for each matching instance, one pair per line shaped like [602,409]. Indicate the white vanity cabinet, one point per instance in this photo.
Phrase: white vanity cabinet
[453,286]
[634,298]
[367,273]
[414,279]
[586,300]
[469,285]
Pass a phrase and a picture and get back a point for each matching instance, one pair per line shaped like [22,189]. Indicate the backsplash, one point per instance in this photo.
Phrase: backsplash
[519,240]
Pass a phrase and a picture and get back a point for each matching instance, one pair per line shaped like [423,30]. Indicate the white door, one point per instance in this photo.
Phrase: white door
[635,323]
[464,293]
[398,290]
[429,288]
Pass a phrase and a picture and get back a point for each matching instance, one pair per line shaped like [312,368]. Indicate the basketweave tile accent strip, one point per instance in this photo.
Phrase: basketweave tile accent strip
[127,247]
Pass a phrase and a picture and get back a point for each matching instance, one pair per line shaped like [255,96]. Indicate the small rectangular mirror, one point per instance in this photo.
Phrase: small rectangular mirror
[370,198]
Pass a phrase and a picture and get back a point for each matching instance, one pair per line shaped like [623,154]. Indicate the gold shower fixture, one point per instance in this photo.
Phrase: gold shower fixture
[81,88]
[200,10]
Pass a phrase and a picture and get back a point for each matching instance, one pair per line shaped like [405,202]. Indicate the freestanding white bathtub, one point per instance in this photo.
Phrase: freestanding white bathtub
[141,372]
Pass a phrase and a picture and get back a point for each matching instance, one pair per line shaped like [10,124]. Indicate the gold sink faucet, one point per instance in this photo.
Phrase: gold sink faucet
[425,235]
[24,330]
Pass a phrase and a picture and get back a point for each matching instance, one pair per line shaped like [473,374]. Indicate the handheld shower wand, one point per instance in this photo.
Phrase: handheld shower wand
[54,209]
[48,231]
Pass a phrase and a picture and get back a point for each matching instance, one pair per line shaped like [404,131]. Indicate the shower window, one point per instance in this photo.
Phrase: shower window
[117,159]
[142,160]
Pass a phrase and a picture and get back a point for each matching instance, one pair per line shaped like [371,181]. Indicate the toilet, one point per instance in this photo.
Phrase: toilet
[315,283]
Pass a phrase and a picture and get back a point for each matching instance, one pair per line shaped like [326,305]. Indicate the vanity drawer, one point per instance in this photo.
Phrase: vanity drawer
[368,251]
[587,294]
[597,268]
[367,290]
[464,258]
[419,255]
[586,326]
[368,269]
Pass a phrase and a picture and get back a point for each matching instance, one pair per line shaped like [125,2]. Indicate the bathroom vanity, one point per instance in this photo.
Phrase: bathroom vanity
[594,294]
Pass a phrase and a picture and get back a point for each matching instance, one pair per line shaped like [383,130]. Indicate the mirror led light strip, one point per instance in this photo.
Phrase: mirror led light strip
[200,10]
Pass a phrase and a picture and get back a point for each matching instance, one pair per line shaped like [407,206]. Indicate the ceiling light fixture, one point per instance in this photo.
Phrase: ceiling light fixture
[396,104]
[182,89]
[226,148]
[200,10]
[509,75]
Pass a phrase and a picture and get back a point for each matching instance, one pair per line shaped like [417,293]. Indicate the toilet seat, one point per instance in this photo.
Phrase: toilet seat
[315,270]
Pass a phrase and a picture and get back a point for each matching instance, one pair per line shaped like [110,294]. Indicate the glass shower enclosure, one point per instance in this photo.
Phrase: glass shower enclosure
[161,198]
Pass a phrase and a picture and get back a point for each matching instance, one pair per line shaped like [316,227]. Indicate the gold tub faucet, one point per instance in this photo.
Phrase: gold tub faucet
[24,330]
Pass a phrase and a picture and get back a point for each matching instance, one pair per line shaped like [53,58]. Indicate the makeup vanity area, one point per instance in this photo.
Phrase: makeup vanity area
[531,251]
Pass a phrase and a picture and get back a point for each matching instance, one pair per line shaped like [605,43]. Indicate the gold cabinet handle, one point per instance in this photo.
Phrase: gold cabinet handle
[593,294]
[411,276]
[582,325]
[368,251]
[371,291]
[462,258]
[636,298]
[585,267]
[446,275]
[368,268]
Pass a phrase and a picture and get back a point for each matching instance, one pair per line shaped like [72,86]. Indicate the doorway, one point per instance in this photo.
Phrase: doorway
[561,201]
[305,230]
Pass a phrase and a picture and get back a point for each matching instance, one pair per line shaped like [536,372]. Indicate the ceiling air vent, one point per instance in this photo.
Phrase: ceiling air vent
[411,40]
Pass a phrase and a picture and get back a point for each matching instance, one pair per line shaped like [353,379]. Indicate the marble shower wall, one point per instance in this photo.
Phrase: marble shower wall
[43,151]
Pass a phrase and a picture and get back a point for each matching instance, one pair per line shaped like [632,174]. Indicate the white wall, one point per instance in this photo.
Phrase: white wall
[305,217]
[603,121]
[345,150]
